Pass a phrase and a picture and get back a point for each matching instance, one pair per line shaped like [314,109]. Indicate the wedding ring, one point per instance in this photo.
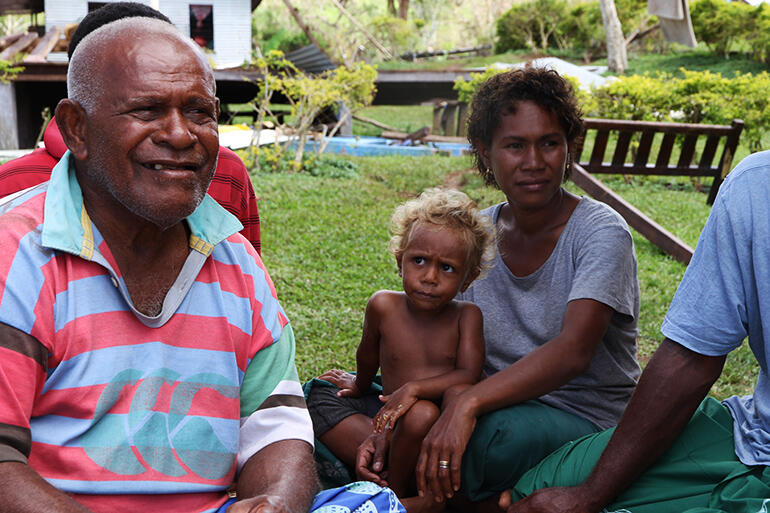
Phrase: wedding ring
[443,464]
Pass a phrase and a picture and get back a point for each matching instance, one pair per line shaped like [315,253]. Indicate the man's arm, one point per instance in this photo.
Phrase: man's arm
[669,391]
[279,478]
[24,491]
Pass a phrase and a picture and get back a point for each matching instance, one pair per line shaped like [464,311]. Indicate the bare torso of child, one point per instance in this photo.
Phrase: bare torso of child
[413,344]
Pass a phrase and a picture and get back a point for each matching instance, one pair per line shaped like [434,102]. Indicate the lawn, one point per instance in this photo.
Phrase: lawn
[325,242]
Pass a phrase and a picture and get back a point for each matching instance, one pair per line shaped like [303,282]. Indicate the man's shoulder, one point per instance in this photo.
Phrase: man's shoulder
[26,171]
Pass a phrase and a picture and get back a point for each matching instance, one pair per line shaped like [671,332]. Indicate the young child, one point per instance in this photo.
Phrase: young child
[422,339]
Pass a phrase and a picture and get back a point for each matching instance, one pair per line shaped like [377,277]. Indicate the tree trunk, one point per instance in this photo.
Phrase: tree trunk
[403,9]
[392,7]
[616,43]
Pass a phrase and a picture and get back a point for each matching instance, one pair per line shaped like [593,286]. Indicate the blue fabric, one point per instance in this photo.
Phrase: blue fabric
[358,497]
[63,226]
[725,295]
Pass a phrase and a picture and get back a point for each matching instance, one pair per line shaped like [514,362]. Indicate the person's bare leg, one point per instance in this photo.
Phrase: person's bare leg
[405,446]
[419,504]
[344,438]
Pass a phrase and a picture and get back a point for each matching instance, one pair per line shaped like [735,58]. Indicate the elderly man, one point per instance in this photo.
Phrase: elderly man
[144,358]
[230,186]
[674,452]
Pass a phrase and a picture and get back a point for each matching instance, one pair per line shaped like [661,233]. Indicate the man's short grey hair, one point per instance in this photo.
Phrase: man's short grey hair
[84,84]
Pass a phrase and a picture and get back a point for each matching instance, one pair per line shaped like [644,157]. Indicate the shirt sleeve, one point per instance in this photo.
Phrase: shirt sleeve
[709,313]
[272,402]
[605,265]
[22,374]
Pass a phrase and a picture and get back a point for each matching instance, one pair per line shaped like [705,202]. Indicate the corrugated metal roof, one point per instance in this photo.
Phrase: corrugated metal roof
[310,59]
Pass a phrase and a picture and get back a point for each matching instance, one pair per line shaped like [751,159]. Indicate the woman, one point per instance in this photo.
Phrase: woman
[560,304]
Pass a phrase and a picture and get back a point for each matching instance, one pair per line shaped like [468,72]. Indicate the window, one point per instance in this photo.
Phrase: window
[202,25]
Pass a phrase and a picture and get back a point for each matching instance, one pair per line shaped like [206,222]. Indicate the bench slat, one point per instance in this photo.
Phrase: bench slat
[688,149]
[621,148]
[664,155]
[709,150]
[600,146]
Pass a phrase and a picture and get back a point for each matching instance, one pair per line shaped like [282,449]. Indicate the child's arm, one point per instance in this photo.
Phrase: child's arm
[367,354]
[470,358]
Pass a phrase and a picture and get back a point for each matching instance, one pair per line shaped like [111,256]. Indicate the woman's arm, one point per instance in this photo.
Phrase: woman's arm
[470,358]
[545,369]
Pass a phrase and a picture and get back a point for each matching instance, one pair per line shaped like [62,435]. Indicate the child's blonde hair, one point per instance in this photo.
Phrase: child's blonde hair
[451,209]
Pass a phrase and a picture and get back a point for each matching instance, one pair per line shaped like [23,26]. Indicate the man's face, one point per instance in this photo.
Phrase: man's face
[152,137]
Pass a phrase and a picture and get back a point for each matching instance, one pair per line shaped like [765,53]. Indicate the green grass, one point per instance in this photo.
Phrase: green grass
[325,245]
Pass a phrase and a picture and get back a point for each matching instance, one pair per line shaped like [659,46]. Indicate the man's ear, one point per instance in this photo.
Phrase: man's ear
[72,121]
[469,279]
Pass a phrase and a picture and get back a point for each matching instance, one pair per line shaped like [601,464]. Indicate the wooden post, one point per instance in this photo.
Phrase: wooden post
[449,119]
[462,119]
[438,111]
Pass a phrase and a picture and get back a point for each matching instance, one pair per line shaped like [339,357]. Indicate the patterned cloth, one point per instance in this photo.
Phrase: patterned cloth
[358,497]
[230,186]
[123,411]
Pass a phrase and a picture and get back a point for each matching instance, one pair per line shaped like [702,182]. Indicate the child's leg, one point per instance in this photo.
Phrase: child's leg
[344,438]
[405,446]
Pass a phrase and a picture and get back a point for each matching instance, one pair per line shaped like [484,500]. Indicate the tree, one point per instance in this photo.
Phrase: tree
[403,8]
[616,43]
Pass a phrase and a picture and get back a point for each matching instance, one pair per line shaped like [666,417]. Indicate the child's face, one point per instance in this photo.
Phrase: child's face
[433,267]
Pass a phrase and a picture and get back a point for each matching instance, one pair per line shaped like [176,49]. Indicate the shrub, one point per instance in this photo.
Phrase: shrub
[720,24]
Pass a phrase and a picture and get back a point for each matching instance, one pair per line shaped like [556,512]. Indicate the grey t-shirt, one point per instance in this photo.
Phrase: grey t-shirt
[594,258]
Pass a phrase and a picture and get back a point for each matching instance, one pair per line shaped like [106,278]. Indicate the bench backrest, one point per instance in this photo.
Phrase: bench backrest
[634,149]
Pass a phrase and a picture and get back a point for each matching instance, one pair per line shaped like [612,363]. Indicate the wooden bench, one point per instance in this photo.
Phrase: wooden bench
[636,152]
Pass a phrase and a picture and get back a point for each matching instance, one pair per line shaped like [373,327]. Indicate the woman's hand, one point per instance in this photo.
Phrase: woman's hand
[344,380]
[396,404]
[370,458]
[444,447]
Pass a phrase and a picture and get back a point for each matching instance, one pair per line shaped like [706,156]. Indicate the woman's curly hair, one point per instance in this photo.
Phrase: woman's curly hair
[453,210]
[499,96]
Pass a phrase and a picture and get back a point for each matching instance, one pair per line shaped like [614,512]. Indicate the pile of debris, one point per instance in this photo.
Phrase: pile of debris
[30,48]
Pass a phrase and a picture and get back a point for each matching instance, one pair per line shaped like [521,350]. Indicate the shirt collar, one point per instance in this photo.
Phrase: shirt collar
[67,226]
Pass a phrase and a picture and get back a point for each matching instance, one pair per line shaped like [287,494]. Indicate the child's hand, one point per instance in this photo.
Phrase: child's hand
[396,404]
[344,380]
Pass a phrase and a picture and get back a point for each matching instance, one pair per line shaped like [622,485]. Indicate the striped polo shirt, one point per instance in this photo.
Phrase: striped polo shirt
[127,412]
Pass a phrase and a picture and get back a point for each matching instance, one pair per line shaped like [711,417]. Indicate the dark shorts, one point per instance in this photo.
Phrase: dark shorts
[327,409]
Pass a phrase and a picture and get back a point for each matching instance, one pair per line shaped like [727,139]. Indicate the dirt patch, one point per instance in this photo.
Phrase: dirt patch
[456,179]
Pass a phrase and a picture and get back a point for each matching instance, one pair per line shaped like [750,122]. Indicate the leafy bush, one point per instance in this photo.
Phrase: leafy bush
[397,34]
[530,25]
[540,24]
[698,97]
[718,23]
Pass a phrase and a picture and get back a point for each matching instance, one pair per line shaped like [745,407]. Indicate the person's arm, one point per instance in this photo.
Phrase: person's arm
[470,358]
[672,386]
[368,352]
[543,370]
[24,491]
[280,478]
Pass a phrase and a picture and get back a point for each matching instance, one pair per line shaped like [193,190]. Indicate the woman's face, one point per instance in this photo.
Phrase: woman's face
[528,156]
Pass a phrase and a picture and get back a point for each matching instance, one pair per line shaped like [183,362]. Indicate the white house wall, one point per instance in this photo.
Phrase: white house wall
[232,23]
